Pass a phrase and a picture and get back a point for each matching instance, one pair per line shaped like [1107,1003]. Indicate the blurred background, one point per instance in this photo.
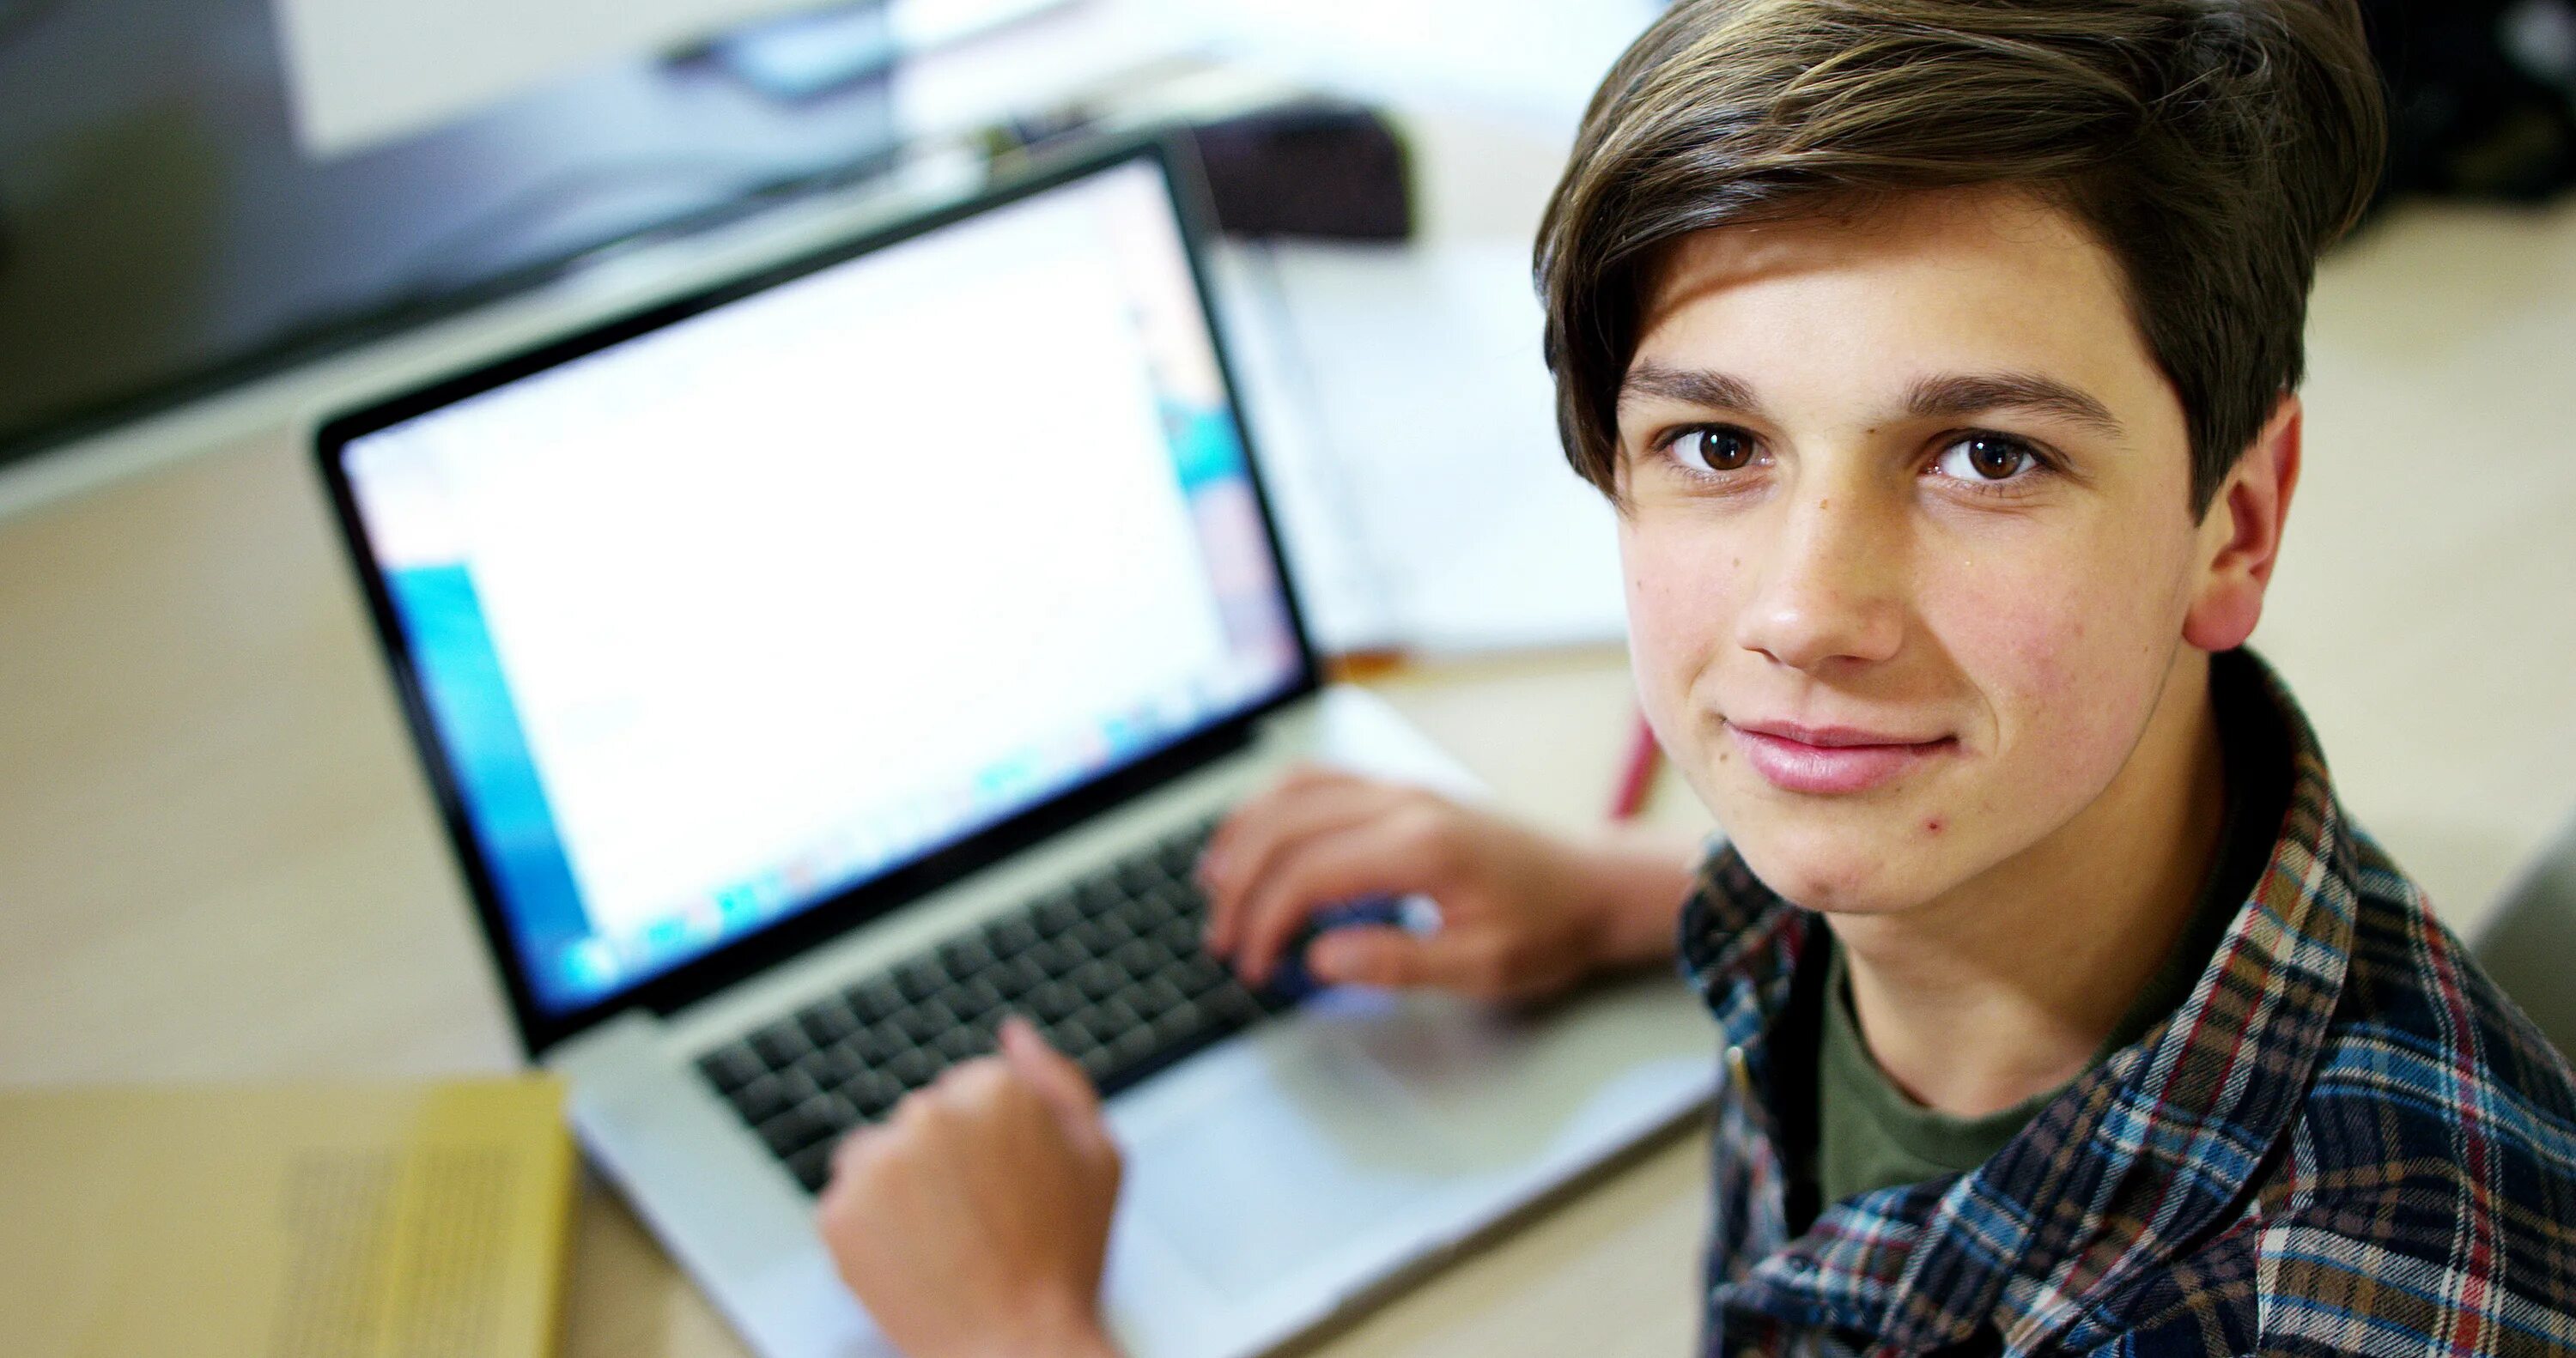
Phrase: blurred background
[197,191]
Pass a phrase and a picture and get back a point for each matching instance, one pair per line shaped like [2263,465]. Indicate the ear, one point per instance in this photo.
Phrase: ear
[2240,535]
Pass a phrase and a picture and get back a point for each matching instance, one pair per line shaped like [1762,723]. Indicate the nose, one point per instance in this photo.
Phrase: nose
[1829,591]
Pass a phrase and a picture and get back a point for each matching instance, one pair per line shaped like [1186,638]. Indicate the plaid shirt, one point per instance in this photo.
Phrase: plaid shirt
[2345,1141]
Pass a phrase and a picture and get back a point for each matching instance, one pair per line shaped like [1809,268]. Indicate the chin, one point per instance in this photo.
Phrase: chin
[1835,871]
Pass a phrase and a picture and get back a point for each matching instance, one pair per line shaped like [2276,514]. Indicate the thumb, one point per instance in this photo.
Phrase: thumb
[1380,955]
[1056,1078]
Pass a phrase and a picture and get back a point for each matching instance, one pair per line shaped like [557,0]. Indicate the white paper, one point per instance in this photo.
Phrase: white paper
[364,72]
[1407,424]
[1539,58]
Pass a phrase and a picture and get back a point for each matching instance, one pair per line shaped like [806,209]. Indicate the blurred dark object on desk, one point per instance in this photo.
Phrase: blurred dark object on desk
[2528,944]
[2482,97]
[1310,168]
[166,235]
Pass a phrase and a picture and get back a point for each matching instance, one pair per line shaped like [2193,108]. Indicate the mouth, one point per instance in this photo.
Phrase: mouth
[1831,760]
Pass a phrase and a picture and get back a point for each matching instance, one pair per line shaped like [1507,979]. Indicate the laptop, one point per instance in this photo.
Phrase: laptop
[816,668]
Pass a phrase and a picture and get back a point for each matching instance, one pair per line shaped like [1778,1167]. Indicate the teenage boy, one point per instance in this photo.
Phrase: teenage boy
[1939,356]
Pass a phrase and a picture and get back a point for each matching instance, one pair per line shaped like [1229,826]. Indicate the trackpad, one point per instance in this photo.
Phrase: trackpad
[1271,1158]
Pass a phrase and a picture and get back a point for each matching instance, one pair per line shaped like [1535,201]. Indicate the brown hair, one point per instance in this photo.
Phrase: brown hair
[2212,146]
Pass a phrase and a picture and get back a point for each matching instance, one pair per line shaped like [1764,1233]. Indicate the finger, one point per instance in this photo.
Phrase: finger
[1255,828]
[1237,843]
[1275,826]
[1382,955]
[975,1087]
[1388,856]
[850,1147]
[1221,841]
[836,1184]
[1055,1077]
[870,1157]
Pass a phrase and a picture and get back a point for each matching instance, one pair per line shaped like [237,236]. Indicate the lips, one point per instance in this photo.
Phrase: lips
[1831,760]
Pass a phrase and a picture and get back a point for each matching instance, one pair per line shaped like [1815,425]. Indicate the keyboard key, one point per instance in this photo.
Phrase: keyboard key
[1092,936]
[1158,996]
[761,1100]
[1132,1046]
[730,1068]
[977,999]
[793,1131]
[1053,1001]
[917,980]
[924,1022]
[1018,977]
[1140,913]
[873,1002]
[1055,914]
[1109,968]
[797,1086]
[965,957]
[1116,1016]
[1140,959]
[1173,1026]
[1180,934]
[812,1166]
[780,1045]
[914,1067]
[1098,980]
[873,1094]
[1071,1035]
[875,1047]
[958,1044]
[1200,974]
[833,1066]
[828,1022]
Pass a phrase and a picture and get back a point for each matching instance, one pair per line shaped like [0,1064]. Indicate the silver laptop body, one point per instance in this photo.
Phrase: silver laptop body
[764,644]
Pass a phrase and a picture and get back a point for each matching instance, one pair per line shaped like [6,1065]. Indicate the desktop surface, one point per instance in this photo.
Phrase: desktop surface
[298,915]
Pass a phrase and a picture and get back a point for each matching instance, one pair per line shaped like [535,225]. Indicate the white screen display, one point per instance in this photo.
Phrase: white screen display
[803,586]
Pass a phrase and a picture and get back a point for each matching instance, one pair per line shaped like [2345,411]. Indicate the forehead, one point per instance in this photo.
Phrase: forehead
[1921,286]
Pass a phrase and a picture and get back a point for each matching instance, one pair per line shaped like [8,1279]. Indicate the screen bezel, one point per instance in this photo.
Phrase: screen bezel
[542,1027]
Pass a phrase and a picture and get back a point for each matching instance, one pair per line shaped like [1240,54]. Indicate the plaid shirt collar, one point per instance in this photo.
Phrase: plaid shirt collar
[2148,1148]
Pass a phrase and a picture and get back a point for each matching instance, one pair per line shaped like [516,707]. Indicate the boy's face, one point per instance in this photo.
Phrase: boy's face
[1908,538]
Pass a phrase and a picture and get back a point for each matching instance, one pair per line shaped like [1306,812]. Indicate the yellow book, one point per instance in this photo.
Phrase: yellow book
[345,1221]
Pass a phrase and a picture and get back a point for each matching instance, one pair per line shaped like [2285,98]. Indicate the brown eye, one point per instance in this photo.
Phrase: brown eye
[1716,449]
[1984,457]
[1994,459]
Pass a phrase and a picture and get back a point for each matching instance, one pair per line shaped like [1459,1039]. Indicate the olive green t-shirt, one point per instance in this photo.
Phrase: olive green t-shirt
[1871,1135]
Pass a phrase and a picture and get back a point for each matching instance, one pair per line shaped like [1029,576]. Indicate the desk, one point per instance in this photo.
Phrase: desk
[221,864]
[218,861]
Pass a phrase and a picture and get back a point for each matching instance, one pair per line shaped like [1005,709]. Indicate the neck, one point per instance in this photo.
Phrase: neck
[2006,986]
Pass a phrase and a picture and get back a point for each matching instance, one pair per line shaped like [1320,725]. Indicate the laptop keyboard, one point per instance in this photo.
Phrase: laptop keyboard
[1109,968]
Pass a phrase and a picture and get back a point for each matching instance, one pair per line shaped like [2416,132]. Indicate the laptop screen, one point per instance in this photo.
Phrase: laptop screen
[730,616]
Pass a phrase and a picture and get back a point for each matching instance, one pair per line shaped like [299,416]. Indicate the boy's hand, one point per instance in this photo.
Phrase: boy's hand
[1523,915]
[974,1222]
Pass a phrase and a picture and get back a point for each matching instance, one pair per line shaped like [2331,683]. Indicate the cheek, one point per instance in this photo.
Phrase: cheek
[2067,662]
[1679,585]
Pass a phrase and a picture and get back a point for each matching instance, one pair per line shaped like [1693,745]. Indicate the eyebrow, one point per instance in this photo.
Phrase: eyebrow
[1948,397]
[1945,397]
[1691,386]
